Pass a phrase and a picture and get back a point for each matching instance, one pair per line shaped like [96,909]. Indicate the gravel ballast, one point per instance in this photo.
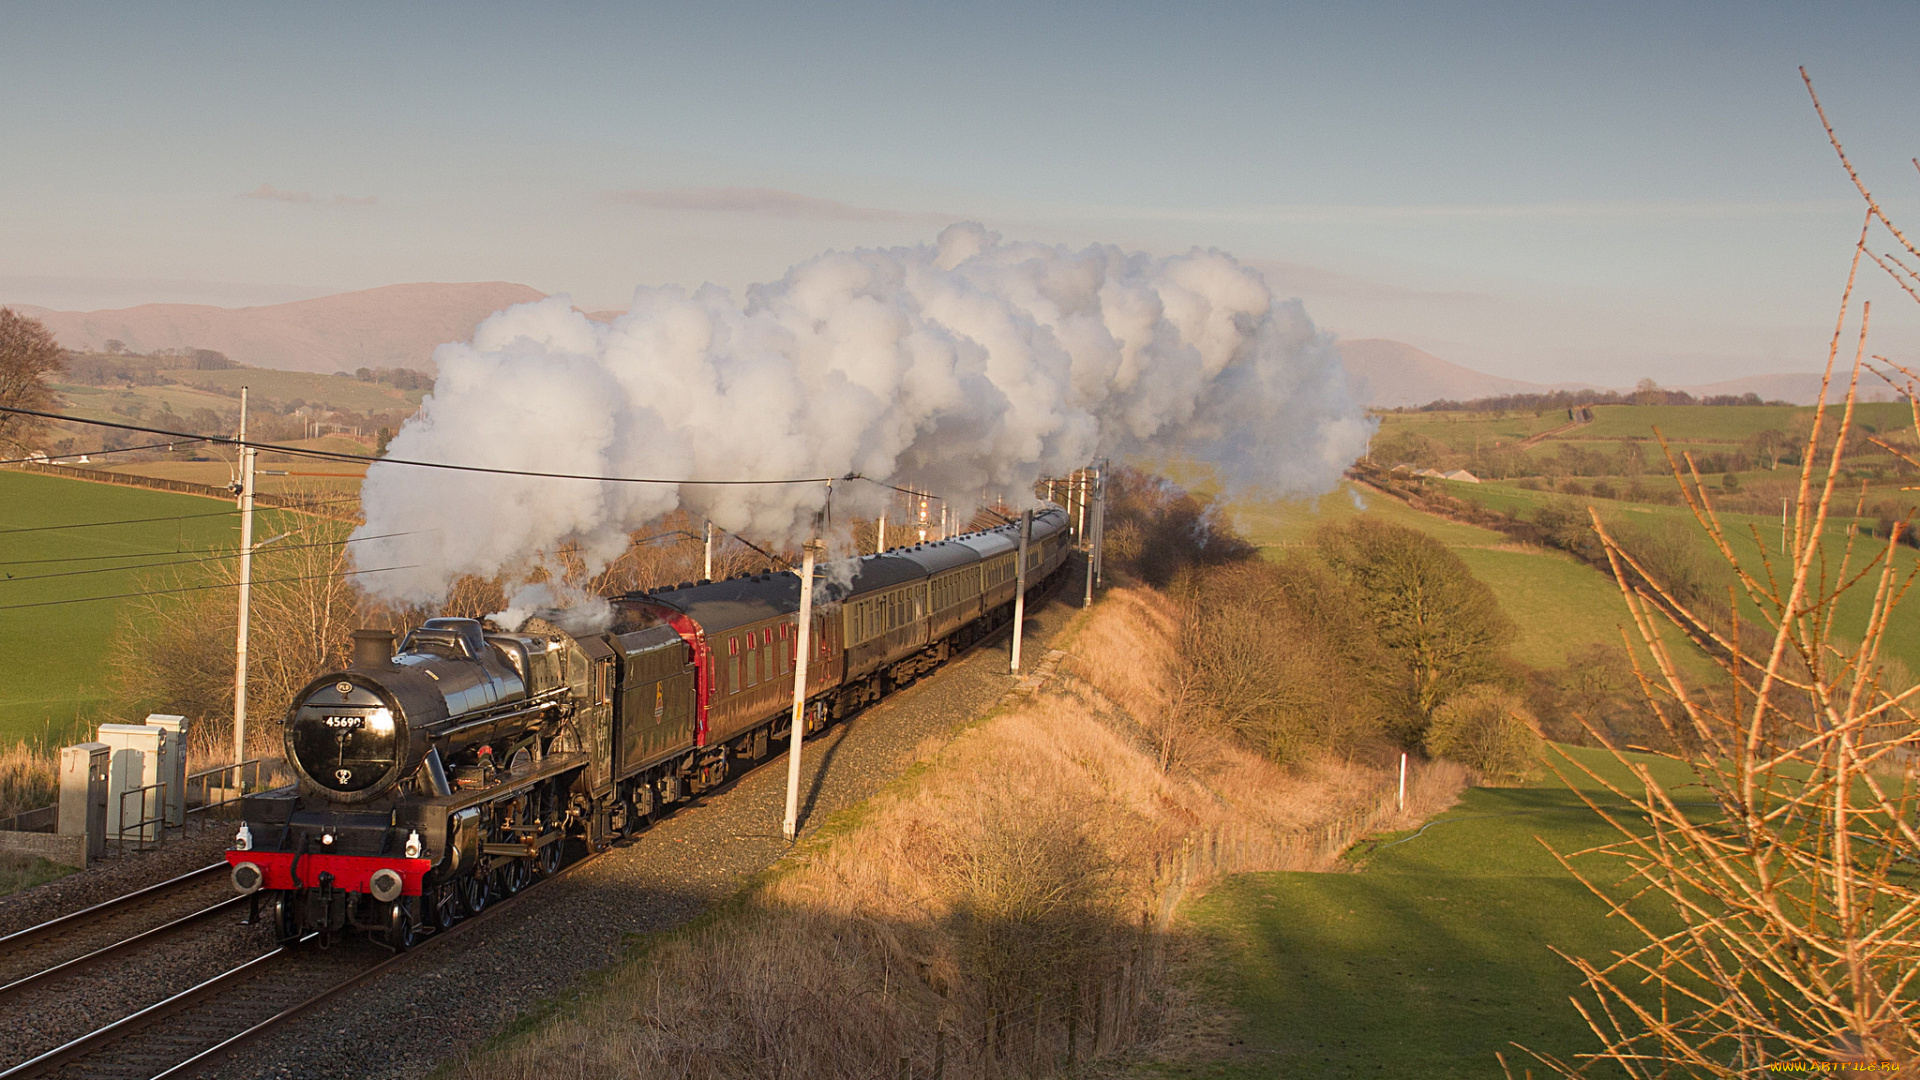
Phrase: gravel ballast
[440,1004]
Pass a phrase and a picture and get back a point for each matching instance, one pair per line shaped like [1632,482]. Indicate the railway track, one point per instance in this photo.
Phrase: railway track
[80,939]
[223,1013]
[194,1028]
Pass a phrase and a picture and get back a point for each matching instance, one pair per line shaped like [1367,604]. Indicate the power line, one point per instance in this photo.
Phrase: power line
[334,455]
[203,559]
[200,588]
[175,517]
[45,460]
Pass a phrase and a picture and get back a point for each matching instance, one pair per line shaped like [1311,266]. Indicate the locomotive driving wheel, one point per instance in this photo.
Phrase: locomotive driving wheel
[475,892]
[513,875]
[443,904]
[548,861]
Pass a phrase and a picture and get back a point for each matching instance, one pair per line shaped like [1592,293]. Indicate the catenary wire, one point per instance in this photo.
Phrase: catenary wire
[46,460]
[201,588]
[334,455]
[202,559]
[173,517]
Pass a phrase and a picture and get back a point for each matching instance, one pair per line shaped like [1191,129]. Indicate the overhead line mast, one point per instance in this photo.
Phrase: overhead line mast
[246,588]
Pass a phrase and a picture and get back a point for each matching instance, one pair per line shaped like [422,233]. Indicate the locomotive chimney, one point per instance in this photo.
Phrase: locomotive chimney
[372,648]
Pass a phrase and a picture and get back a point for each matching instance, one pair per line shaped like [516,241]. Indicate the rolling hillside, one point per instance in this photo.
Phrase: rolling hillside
[392,326]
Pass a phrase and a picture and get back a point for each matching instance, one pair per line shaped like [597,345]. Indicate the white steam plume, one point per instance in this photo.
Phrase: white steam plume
[967,365]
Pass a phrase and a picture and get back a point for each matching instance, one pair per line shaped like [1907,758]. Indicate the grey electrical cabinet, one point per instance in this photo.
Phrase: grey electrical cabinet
[173,764]
[83,795]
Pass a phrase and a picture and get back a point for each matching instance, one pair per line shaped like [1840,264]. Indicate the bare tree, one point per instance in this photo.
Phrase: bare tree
[28,355]
[1784,926]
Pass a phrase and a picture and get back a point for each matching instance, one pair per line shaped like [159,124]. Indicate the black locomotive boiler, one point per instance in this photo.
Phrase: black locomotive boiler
[441,775]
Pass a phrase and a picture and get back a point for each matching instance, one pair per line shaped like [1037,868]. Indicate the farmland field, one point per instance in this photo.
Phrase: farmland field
[53,678]
[1435,956]
[1902,643]
[1558,604]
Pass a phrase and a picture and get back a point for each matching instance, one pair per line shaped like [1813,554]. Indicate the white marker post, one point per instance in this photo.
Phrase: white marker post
[790,827]
[246,589]
[1020,587]
[1403,782]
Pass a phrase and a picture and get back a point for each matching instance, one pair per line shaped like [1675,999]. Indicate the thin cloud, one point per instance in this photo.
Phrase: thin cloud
[765,202]
[273,194]
[1362,214]
[268,191]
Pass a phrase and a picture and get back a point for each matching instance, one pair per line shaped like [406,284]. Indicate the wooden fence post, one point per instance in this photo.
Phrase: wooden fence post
[1073,1028]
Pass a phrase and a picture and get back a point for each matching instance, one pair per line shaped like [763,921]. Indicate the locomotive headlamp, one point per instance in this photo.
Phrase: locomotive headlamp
[385,885]
[413,844]
[247,878]
[326,839]
[380,721]
[243,840]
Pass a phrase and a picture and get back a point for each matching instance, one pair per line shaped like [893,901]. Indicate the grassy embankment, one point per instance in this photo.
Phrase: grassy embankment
[1438,953]
[1435,956]
[1006,876]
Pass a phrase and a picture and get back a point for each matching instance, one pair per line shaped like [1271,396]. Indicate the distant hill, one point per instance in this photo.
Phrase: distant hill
[400,325]
[392,326]
[1392,374]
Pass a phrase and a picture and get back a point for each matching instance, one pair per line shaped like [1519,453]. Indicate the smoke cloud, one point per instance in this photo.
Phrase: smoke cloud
[969,366]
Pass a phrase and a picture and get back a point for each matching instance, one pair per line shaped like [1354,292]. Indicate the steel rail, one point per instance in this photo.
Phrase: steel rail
[234,1042]
[21,937]
[93,1040]
[96,1041]
[78,963]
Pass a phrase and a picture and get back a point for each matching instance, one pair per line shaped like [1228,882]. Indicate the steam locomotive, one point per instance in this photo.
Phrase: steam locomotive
[434,778]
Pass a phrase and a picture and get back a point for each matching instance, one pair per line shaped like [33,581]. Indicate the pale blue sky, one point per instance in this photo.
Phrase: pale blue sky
[1547,191]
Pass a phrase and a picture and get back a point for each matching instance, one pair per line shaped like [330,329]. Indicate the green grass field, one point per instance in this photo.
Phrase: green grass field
[1557,603]
[1903,642]
[286,386]
[1436,955]
[54,674]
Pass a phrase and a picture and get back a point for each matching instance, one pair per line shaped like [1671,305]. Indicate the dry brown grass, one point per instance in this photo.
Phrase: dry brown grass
[1028,873]
[29,778]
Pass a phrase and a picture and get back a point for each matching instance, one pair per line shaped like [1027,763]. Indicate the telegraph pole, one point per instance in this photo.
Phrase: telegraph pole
[246,589]
[1080,526]
[708,575]
[1100,524]
[880,537]
[1020,587]
[790,826]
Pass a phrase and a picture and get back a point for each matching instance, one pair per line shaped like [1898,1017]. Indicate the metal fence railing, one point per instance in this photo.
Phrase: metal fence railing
[146,821]
[39,819]
[221,787]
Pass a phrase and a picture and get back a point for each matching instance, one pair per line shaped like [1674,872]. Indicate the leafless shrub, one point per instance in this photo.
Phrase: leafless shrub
[174,652]
[1488,729]
[1798,938]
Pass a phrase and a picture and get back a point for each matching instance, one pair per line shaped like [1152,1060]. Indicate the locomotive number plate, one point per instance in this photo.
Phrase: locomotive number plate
[345,723]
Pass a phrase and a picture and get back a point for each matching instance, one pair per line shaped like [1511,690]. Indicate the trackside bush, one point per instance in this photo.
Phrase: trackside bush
[1486,728]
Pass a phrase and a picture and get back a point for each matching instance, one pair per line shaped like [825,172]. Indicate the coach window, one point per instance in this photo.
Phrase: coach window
[753,660]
